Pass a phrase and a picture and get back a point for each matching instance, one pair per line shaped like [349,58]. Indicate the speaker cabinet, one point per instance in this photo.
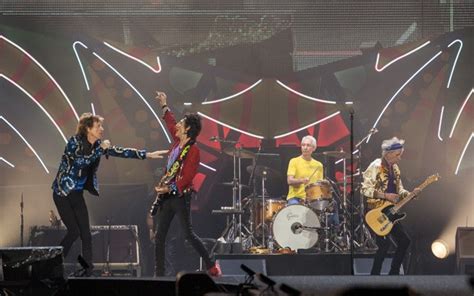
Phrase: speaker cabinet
[118,243]
[232,267]
[31,263]
[363,266]
[465,250]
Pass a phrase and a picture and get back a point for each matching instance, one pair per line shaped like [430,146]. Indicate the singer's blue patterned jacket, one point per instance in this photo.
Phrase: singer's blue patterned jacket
[74,162]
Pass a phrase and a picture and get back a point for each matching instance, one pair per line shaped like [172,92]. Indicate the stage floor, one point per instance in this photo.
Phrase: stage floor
[309,285]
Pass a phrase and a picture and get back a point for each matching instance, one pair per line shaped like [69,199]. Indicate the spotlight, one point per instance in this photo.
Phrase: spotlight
[440,249]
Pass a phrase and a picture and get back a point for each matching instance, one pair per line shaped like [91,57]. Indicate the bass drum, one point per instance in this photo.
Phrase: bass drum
[287,231]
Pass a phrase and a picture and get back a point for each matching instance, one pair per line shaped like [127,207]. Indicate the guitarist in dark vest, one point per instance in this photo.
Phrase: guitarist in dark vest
[382,183]
[176,191]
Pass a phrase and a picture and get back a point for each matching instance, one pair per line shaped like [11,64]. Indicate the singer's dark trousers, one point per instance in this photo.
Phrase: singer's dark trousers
[181,207]
[383,243]
[73,212]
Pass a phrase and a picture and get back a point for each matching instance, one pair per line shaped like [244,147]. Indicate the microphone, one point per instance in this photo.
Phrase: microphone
[247,270]
[373,131]
[107,153]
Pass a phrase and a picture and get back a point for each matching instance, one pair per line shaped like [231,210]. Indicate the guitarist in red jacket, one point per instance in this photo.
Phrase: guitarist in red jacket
[176,193]
[382,183]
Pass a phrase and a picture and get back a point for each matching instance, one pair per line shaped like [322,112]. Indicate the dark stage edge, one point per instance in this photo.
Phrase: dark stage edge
[309,285]
[335,285]
[290,264]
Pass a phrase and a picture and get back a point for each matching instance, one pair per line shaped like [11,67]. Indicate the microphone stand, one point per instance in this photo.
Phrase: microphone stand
[253,182]
[366,241]
[351,112]
[22,225]
[106,271]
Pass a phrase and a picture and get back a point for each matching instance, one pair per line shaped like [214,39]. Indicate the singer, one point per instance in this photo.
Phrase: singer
[183,162]
[77,172]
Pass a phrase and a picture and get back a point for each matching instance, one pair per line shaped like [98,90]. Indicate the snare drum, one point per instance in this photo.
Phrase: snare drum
[319,195]
[288,228]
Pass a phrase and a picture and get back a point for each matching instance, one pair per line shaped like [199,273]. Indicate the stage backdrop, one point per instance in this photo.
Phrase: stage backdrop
[264,76]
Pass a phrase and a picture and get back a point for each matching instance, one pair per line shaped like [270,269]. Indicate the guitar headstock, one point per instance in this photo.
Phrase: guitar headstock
[431,179]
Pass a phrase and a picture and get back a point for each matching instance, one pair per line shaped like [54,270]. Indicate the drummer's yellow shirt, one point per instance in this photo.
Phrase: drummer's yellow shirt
[301,168]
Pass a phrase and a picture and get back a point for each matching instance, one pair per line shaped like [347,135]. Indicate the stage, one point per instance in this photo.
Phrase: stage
[307,285]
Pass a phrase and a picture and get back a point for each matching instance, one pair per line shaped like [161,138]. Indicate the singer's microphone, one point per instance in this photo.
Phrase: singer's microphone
[107,153]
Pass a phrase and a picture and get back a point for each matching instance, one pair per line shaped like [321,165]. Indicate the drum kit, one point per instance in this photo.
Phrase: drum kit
[264,225]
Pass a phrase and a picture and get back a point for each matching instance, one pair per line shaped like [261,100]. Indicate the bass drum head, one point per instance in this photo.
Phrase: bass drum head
[286,227]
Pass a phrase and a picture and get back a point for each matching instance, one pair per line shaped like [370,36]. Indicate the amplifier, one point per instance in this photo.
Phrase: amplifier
[31,263]
[119,241]
[465,250]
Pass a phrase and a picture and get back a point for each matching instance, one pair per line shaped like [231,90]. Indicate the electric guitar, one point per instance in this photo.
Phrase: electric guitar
[382,219]
[159,197]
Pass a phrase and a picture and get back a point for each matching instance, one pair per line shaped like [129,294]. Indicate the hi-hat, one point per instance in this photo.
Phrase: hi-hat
[239,152]
[261,171]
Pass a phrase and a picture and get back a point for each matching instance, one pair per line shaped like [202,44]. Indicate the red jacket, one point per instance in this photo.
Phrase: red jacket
[187,171]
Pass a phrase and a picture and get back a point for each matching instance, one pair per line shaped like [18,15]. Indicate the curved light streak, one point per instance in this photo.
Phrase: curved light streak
[137,92]
[305,127]
[44,70]
[208,167]
[455,60]
[400,89]
[462,154]
[303,95]
[234,95]
[137,59]
[440,124]
[26,142]
[7,162]
[398,58]
[80,63]
[459,113]
[229,126]
[37,103]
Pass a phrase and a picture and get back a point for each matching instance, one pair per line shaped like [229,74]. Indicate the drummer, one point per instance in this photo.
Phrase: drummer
[303,170]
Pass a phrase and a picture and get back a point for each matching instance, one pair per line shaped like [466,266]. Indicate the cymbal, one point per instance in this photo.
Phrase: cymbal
[231,184]
[339,154]
[261,170]
[239,151]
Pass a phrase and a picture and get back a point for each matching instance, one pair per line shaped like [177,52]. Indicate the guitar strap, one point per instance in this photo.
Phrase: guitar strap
[174,168]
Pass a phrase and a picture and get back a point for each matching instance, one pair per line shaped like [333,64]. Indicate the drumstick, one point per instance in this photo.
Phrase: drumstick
[313,173]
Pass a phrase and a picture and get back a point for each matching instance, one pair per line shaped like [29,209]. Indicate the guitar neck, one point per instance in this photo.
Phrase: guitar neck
[410,196]
[403,202]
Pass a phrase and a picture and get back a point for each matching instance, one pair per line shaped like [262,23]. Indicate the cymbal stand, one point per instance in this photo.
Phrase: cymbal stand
[236,199]
[253,184]
[346,235]
[327,239]
[264,177]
